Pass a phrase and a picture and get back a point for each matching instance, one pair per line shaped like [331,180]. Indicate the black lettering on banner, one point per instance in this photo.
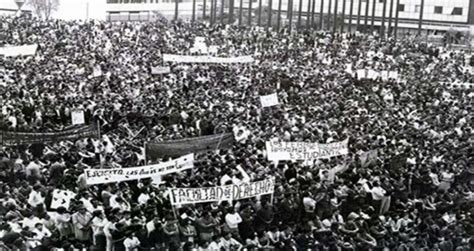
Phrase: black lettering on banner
[247,190]
[180,194]
[212,193]
[205,193]
[197,194]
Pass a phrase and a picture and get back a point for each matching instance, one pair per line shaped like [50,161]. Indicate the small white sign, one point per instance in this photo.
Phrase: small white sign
[78,117]
[269,100]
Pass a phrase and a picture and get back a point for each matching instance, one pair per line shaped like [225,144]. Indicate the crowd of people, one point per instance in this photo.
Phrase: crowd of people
[416,195]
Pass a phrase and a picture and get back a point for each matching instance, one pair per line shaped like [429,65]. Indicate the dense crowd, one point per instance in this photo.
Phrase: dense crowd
[417,194]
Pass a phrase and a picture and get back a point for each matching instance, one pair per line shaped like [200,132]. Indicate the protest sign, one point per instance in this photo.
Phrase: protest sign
[160,70]
[369,157]
[22,50]
[8,138]
[361,74]
[101,176]
[305,151]
[269,100]
[206,59]
[77,117]
[180,147]
[181,196]
[61,198]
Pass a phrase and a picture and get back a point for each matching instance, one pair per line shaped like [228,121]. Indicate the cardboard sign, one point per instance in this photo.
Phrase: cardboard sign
[269,100]
[78,117]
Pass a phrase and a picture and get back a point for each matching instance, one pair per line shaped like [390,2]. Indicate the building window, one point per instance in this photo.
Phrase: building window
[457,11]
[401,7]
[438,10]
[417,8]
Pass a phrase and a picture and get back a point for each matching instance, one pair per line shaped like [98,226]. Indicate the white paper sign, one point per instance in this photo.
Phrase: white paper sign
[159,70]
[78,117]
[61,198]
[101,176]
[269,100]
[304,150]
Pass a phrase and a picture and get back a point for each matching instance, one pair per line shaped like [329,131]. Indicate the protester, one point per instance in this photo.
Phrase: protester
[415,193]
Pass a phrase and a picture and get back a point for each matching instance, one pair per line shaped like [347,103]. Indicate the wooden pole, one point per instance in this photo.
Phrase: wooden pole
[329,14]
[231,11]
[372,23]
[279,16]
[334,28]
[176,10]
[211,15]
[366,17]
[259,20]
[396,19]
[390,16]
[204,10]
[250,13]
[420,21]
[321,15]
[313,9]
[290,16]
[194,11]
[382,26]
[269,23]
[308,19]
[300,10]
[221,16]
[351,8]
[343,15]
[359,10]
[240,12]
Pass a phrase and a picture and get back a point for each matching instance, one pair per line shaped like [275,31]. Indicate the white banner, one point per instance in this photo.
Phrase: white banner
[159,70]
[22,50]
[269,100]
[78,117]
[100,176]
[61,198]
[304,151]
[181,196]
[206,59]
[373,74]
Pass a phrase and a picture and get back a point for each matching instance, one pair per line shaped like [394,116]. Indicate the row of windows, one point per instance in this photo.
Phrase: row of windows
[457,11]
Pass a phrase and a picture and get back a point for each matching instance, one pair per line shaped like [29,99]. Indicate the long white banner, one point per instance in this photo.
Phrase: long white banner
[22,50]
[181,196]
[101,176]
[206,59]
[305,151]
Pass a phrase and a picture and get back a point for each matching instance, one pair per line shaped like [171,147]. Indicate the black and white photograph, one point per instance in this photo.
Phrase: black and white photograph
[236,125]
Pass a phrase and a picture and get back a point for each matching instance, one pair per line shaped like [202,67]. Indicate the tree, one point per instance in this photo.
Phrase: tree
[44,8]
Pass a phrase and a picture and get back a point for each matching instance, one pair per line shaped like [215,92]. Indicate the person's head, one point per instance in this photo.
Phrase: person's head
[39,226]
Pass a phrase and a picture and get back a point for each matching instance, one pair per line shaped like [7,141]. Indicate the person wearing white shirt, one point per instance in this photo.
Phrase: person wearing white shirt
[143,198]
[229,243]
[98,223]
[131,243]
[378,194]
[30,221]
[108,229]
[40,233]
[35,198]
[233,220]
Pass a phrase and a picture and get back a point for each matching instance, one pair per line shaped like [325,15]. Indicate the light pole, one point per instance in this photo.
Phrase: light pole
[20,4]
